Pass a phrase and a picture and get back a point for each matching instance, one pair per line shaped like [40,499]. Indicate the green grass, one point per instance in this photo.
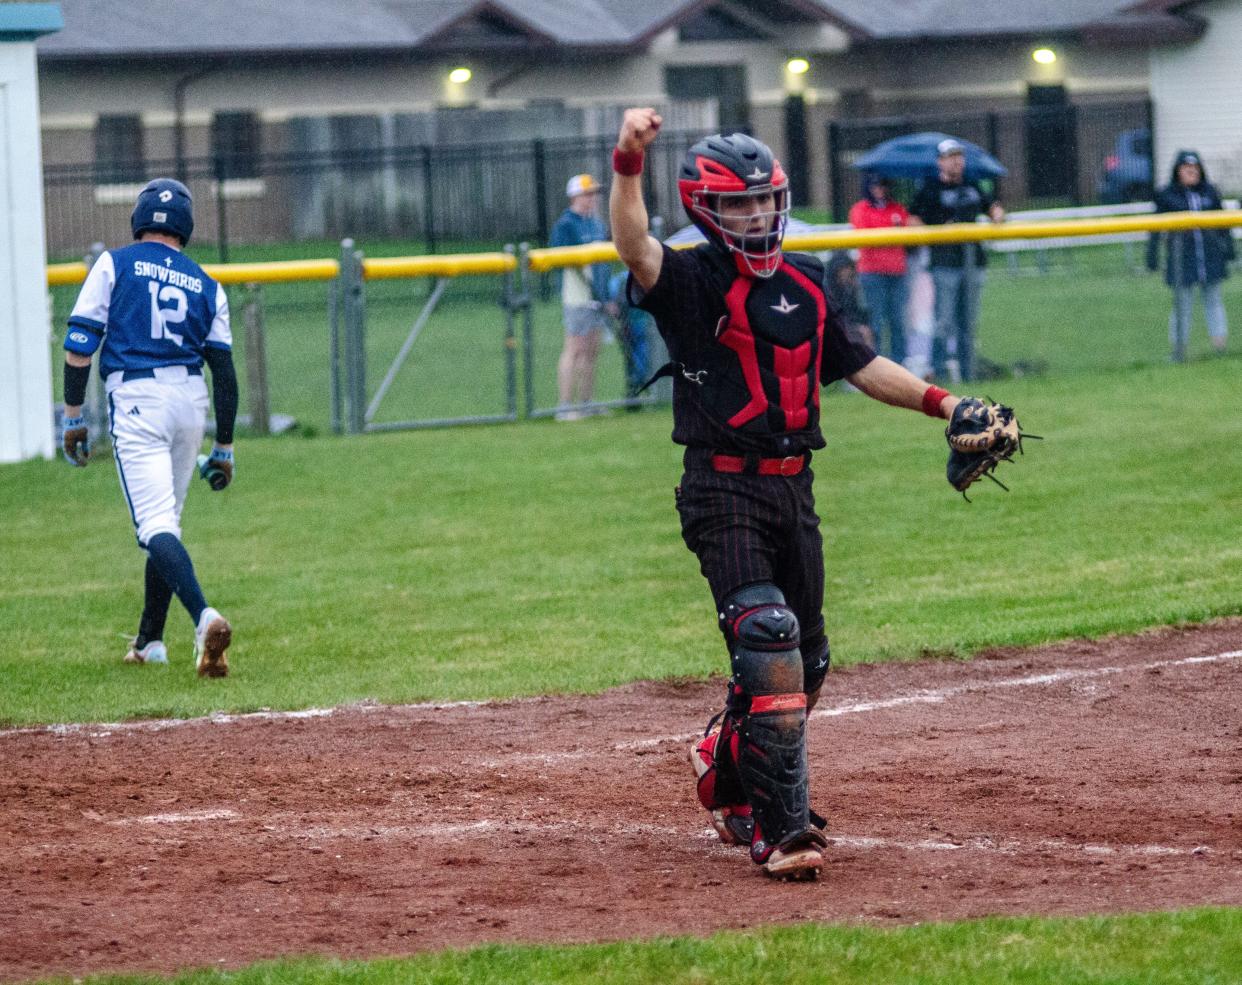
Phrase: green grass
[1194,947]
[536,558]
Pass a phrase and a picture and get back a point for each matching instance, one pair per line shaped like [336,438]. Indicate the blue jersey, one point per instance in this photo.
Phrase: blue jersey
[150,305]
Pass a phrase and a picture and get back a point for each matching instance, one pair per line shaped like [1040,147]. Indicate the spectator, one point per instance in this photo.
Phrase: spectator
[956,268]
[584,298]
[1195,256]
[920,313]
[634,324]
[882,269]
[841,286]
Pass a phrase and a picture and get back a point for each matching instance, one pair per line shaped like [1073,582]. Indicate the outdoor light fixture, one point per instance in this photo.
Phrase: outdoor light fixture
[797,66]
[459,76]
[1045,56]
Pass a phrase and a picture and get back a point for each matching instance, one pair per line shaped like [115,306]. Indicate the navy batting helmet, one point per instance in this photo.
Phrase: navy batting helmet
[736,192]
[164,206]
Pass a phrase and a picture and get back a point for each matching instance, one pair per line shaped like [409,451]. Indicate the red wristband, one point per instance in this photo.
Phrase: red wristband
[932,397]
[627,162]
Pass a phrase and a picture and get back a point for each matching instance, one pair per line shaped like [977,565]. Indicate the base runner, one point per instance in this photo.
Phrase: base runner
[158,317]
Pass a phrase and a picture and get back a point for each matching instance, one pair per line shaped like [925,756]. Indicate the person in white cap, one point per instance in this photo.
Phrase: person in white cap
[585,302]
[956,268]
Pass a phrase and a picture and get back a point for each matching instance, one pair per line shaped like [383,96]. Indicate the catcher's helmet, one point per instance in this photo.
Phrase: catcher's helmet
[724,183]
[164,206]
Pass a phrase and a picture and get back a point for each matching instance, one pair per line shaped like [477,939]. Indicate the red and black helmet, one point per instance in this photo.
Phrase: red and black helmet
[725,184]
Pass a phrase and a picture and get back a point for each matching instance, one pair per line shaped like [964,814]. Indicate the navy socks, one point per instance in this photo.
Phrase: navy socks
[171,563]
[154,608]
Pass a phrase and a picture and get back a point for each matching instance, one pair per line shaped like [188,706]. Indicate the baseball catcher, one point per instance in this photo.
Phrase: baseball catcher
[752,336]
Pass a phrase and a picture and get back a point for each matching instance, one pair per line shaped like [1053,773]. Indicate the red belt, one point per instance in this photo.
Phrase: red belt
[790,465]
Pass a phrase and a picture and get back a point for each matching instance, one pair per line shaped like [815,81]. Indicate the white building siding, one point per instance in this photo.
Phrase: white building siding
[1197,93]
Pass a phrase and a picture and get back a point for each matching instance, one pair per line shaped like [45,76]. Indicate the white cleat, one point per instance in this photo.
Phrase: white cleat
[211,644]
[153,653]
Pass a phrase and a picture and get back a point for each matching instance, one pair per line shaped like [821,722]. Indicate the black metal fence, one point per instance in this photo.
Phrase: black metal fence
[436,198]
[1055,155]
[326,184]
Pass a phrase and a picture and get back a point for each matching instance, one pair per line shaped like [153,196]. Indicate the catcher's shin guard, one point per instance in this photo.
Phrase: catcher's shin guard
[816,659]
[717,784]
[767,712]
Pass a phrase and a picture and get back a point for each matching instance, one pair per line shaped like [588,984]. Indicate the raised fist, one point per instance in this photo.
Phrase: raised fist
[638,129]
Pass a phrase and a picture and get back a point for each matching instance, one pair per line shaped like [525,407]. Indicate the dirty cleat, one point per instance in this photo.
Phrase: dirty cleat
[211,643]
[733,822]
[153,653]
[799,858]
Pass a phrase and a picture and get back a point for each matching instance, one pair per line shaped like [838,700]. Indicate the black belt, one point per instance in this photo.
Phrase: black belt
[745,464]
[149,374]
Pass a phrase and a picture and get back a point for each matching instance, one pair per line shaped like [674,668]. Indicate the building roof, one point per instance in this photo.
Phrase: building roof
[908,20]
[102,29]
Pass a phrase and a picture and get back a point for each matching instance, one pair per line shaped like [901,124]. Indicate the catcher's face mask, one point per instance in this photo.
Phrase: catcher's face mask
[750,223]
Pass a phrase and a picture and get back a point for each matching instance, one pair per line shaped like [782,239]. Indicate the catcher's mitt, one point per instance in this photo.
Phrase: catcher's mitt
[981,435]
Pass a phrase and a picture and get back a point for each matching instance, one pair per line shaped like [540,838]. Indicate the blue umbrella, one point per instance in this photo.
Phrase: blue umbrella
[914,156]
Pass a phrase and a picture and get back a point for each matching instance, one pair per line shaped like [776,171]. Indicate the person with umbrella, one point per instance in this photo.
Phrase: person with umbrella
[956,268]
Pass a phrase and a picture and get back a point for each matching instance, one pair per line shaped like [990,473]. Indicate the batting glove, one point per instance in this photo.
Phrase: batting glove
[217,468]
[76,441]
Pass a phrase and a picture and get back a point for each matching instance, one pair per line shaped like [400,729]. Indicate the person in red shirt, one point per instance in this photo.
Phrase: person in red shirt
[882,269]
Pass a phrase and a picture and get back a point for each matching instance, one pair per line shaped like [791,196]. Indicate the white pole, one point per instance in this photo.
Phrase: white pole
[25,358]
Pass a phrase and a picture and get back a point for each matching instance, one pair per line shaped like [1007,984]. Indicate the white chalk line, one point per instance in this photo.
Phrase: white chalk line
[490,828]
[925,697]
[922,697]
[101,730]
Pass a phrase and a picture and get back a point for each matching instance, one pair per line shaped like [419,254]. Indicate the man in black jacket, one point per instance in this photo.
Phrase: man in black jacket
[956,268]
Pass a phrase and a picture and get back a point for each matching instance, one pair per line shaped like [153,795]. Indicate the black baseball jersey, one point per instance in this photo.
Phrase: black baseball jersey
[750,353]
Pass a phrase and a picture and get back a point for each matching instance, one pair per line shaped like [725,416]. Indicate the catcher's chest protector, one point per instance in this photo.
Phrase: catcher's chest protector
[770,344]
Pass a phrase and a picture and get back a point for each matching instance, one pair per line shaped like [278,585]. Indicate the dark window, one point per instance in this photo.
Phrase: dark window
[1051,143]
[118,149]
[235,144]
[724,83]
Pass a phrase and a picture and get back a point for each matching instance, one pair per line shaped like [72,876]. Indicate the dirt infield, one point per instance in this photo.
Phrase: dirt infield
[1085,777]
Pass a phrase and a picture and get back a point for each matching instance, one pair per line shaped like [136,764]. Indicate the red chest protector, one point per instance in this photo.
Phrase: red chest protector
[770,346]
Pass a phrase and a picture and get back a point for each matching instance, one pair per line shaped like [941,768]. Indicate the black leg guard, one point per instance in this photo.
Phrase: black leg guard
[816,659]
[767,715]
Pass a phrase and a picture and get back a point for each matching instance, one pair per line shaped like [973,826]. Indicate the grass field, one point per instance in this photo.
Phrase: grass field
[543,558]
[540,557]
[1195,947]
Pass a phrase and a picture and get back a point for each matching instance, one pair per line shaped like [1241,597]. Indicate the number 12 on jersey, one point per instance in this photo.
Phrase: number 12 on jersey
[162,317]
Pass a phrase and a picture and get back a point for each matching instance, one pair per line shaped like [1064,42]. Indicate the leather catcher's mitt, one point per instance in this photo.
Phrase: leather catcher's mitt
[981,435]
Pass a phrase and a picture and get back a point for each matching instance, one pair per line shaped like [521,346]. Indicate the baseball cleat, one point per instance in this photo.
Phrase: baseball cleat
[733,822]
[153,653]
[211,643]
[799,859]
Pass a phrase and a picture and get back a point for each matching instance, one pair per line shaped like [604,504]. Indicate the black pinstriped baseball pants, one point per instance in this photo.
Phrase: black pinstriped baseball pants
[747,529]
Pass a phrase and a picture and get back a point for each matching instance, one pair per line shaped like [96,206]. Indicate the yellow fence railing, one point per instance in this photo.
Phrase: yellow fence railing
[449,265]
[552,258]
